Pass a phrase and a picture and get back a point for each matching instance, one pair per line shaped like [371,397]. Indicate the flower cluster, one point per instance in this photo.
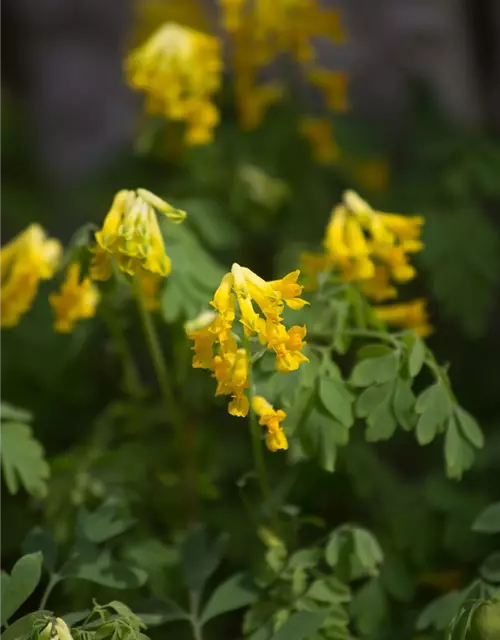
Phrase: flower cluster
[282,25]
[131,234]
[77,299]
[261,30]
[25,260]
[373,248]
[179,70]
[239,291]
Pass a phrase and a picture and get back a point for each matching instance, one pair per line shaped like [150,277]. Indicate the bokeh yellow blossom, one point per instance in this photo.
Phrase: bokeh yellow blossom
[216,346]
[283,26]
[131,234]
[77,300]
[319,133]
[334,85]
[271,419]
[407,315]
[366,246]
[25,260]
[179,70]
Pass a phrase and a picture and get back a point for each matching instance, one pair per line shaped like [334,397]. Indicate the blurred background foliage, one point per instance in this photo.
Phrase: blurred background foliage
[260,197]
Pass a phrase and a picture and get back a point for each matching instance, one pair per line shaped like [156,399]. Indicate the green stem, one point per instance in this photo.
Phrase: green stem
[185,440]
[54,580]
[131,376]
[194,607]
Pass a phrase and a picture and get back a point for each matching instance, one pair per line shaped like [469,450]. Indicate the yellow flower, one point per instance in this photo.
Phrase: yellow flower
[407,315]
[216,347]
[379,288]
[319,132]
[25,260]
[254,101]
[347,246]
[132,235]
[231,372]
[56,630]
[270,418]
[77,299]
[179,70]
[311,266]
[334,85]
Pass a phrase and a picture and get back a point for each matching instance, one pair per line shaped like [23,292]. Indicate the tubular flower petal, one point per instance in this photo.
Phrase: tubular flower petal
[270,418]
[379,288]
[407,315]
[132,235]
[75,301]
[215,347]
[179,70]
[24,261]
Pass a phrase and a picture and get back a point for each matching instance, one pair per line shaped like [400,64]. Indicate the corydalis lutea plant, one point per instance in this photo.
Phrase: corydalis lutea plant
[311,396]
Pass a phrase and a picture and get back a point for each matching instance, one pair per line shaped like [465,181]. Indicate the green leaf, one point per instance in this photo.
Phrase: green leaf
[14,414]
[369,608]
[157,611]
[469,427]
[330,590]
[200,558]
[490,569]
[459,454]
[375,370]
[104,523]
[434,407]
[439,612]
[300,626]
[23,460]
[371,397]
[236,592]
[367,550]
[42,540]
[381,423]
[488,521]
[23,581]
[89,563]
[336,401]
[403,404]
[427,428]
[436,399]
[320,434]
[23,627]
[416,355]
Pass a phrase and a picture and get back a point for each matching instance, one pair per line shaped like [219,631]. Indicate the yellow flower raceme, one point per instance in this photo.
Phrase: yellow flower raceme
[25,260]
[367,246]
[271,419]
[407,315]
[78,299]
[215,345]
[131,234]
[179,70]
